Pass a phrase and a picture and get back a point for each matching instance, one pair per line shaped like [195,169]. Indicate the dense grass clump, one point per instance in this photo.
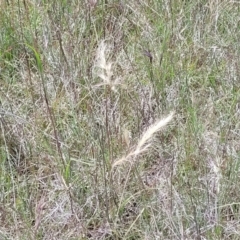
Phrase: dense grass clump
[119,119]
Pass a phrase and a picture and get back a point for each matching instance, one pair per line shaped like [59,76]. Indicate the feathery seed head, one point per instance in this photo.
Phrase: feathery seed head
[144,143]
[105,68]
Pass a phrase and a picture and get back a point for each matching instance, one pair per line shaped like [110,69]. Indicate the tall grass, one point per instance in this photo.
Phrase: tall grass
[83,153]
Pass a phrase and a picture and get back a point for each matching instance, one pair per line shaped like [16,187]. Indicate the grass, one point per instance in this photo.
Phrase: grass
[119,120]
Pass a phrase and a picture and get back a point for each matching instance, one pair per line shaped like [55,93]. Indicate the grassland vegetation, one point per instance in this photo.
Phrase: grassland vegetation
[119,119]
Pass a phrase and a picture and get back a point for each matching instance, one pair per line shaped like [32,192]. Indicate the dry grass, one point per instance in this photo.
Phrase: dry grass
[83,153]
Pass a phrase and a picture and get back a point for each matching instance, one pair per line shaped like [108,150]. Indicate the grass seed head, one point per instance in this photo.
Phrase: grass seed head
[145,142]
[105,68]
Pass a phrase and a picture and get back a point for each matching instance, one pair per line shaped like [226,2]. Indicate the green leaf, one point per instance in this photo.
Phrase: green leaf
[37,58]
